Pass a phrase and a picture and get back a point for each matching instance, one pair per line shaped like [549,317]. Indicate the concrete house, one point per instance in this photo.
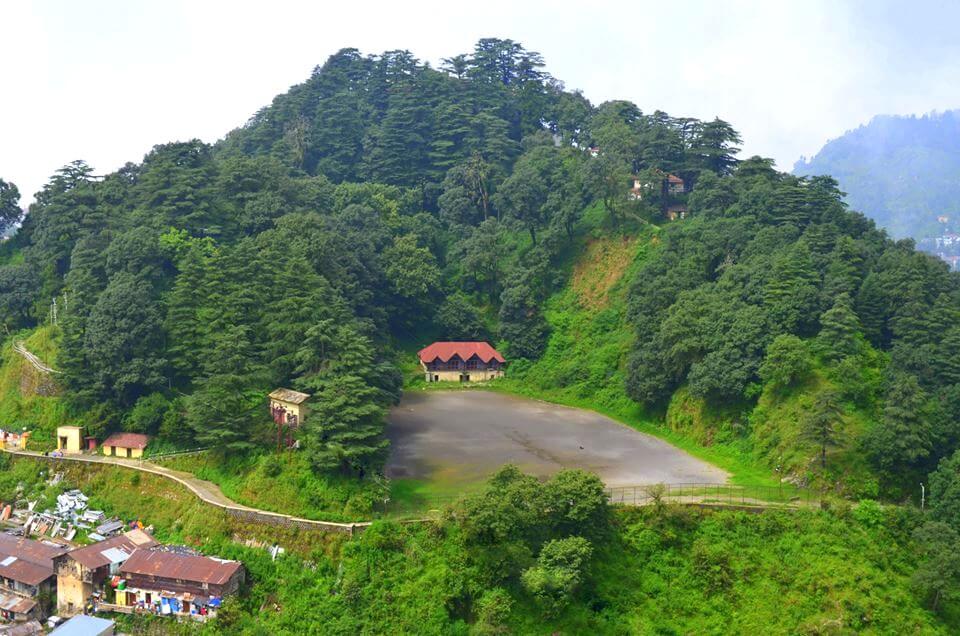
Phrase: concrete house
[125,445]
[70,439]
[461,362]
[27,581]
[289,407]
[170,583]
[83,571]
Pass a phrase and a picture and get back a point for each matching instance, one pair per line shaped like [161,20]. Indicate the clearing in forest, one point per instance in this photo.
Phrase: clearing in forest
[452,439]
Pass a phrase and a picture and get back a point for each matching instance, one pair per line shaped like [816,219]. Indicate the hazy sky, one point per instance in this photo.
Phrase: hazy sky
[106,80]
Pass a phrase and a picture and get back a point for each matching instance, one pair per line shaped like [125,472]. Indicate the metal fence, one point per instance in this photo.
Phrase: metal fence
[786,496]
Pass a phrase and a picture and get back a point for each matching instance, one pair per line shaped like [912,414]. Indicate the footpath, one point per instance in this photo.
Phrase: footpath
[208,492]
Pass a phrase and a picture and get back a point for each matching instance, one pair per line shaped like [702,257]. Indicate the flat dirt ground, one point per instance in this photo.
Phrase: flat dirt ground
[456,438]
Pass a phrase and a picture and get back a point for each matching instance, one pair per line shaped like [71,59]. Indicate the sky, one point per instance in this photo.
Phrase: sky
[105,80]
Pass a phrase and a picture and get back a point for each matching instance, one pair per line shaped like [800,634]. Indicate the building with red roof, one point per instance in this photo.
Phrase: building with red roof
[461,362]
[27,580]
[125,444]
[170,583]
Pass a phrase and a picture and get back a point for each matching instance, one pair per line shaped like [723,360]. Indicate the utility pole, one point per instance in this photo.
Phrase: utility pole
[780,477]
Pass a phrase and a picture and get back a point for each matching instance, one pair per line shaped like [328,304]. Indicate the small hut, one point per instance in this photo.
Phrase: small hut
[70,439]
[288,406]
[125,445]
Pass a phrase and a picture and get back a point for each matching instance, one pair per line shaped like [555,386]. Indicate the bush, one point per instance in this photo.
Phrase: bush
[272,467]
[493,610]
[558,573]
[869,513]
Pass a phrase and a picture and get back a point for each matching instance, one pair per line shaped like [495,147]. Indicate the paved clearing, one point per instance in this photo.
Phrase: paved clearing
[459,437]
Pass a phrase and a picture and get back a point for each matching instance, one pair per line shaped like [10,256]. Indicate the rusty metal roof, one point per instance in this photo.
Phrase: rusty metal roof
[26,560]
[289,395]
[183,567]
[93,557]
[127,440]
[16,604]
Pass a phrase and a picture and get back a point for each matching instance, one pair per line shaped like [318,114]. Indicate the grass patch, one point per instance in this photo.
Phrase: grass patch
[28,399]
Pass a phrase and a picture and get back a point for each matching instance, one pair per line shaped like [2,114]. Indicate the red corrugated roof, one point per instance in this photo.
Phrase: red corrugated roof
[127,440]
[466,350]
[672,178]
[93,557]
[169,565]
[32,561]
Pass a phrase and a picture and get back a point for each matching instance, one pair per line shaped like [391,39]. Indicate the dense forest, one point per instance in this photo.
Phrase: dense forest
[384,203]
[900,171]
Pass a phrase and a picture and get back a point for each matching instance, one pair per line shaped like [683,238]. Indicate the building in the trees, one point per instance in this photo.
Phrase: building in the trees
[125,445]
[676,211]
[675,184]
[638,188]
[27,581]
[666,184]
[288,408]
[169,583]
[461,362]
[83,571]
[69,439]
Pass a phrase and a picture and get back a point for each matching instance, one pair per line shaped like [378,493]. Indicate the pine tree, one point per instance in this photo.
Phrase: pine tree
[903,438]
[791,293]
[226,412]
[345,429]
[839,327]
[821,424]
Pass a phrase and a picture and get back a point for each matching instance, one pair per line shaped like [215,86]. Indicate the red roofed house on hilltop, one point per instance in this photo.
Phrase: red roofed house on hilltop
[125,445]
[461,361]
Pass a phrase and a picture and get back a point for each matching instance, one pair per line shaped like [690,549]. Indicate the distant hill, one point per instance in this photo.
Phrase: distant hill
[904,172]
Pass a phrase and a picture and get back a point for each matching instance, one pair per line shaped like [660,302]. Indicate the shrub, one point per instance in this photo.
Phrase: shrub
[869,513]
[493,610]
[558,573]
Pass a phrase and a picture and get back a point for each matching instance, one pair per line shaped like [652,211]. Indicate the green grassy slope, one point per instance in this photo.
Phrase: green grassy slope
[22,400]
[671,570]
[584,366]
[584,362]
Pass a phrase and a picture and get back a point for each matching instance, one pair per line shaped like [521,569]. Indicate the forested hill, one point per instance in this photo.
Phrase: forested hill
[903,172]
[384,203]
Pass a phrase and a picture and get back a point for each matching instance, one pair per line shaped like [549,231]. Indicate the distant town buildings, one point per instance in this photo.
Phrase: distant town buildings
[946,246]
